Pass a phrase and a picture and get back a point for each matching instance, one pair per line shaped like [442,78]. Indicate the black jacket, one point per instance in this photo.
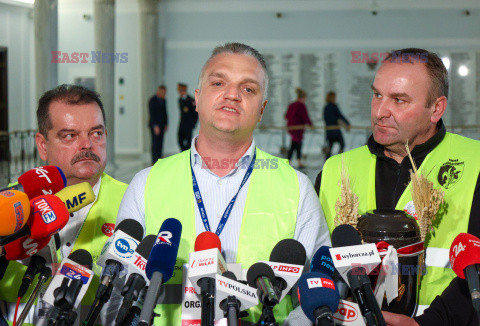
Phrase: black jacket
[157,108]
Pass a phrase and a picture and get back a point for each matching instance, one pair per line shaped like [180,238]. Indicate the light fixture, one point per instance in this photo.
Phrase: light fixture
[446,62]
[463,70]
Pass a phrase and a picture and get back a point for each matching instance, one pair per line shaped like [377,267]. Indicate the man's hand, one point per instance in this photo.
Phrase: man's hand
[156,130]
[398,320]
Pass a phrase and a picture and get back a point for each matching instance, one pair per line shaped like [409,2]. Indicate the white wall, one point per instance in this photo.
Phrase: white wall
[16,33]
[76,21]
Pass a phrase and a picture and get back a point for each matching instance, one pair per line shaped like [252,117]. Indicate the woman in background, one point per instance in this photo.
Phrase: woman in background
[297,117]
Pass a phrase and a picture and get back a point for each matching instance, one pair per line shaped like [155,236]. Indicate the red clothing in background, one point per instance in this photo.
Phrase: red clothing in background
[297,115]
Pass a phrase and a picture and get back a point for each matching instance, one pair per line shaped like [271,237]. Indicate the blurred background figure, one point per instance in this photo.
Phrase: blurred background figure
[333,119]
[157,108]
[297,117]
[188,117]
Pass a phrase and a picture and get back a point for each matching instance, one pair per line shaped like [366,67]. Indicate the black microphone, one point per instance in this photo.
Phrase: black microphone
[137,280]
[66,289]
[133,317]
[45,274]
[287,251]
[115,253]
[345,236]
[3,266]
[230,305]
[34,267]
[261,277]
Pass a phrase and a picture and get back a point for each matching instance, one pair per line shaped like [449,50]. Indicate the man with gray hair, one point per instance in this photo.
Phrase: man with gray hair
[249,198]
[409,99]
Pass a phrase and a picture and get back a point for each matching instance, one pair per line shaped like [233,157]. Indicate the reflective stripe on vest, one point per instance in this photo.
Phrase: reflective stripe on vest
[454,163]
[272,194]
[437,257]
[421,309]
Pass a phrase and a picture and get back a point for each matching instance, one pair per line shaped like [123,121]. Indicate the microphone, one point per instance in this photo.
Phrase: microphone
[137,280]
[48,216]
[287,260]
[289,251]
[114,257]
[77,196]
[465,262]
[20,249]
[160,265]
[233,298]
[43,180]
[45,274]
[261,277]
[15,210]
[69,286]
[205,263]
[34,267]
[24,247]
[322,262]
[318,298]
[349,256]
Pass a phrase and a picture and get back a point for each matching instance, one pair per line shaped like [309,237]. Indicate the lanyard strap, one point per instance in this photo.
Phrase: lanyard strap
[228,210]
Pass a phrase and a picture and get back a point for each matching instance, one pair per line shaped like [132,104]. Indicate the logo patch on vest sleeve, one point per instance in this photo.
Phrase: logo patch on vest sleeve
[450,173]
[108,229]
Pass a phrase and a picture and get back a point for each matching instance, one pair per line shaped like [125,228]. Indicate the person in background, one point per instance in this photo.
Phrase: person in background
[157,108]
[333,118]
[297,117]
[188,117]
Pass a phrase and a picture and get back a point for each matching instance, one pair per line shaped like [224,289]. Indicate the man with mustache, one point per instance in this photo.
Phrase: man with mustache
[409,99]
[72,135]
[249,198]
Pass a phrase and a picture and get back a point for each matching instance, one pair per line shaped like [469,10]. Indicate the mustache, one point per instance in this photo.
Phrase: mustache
[86,154]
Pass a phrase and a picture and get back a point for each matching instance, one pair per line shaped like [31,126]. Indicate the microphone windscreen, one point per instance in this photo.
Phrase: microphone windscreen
[42,181]
[15,210]
[345,235]
[230,275]
[164,253]
[145,246]
[77,196]
[322,261]
[258,270]
[82,257]
[49,215]
[131,227]
[464,251]
[316,290]
[289,251]
[24,247]
[207,240]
